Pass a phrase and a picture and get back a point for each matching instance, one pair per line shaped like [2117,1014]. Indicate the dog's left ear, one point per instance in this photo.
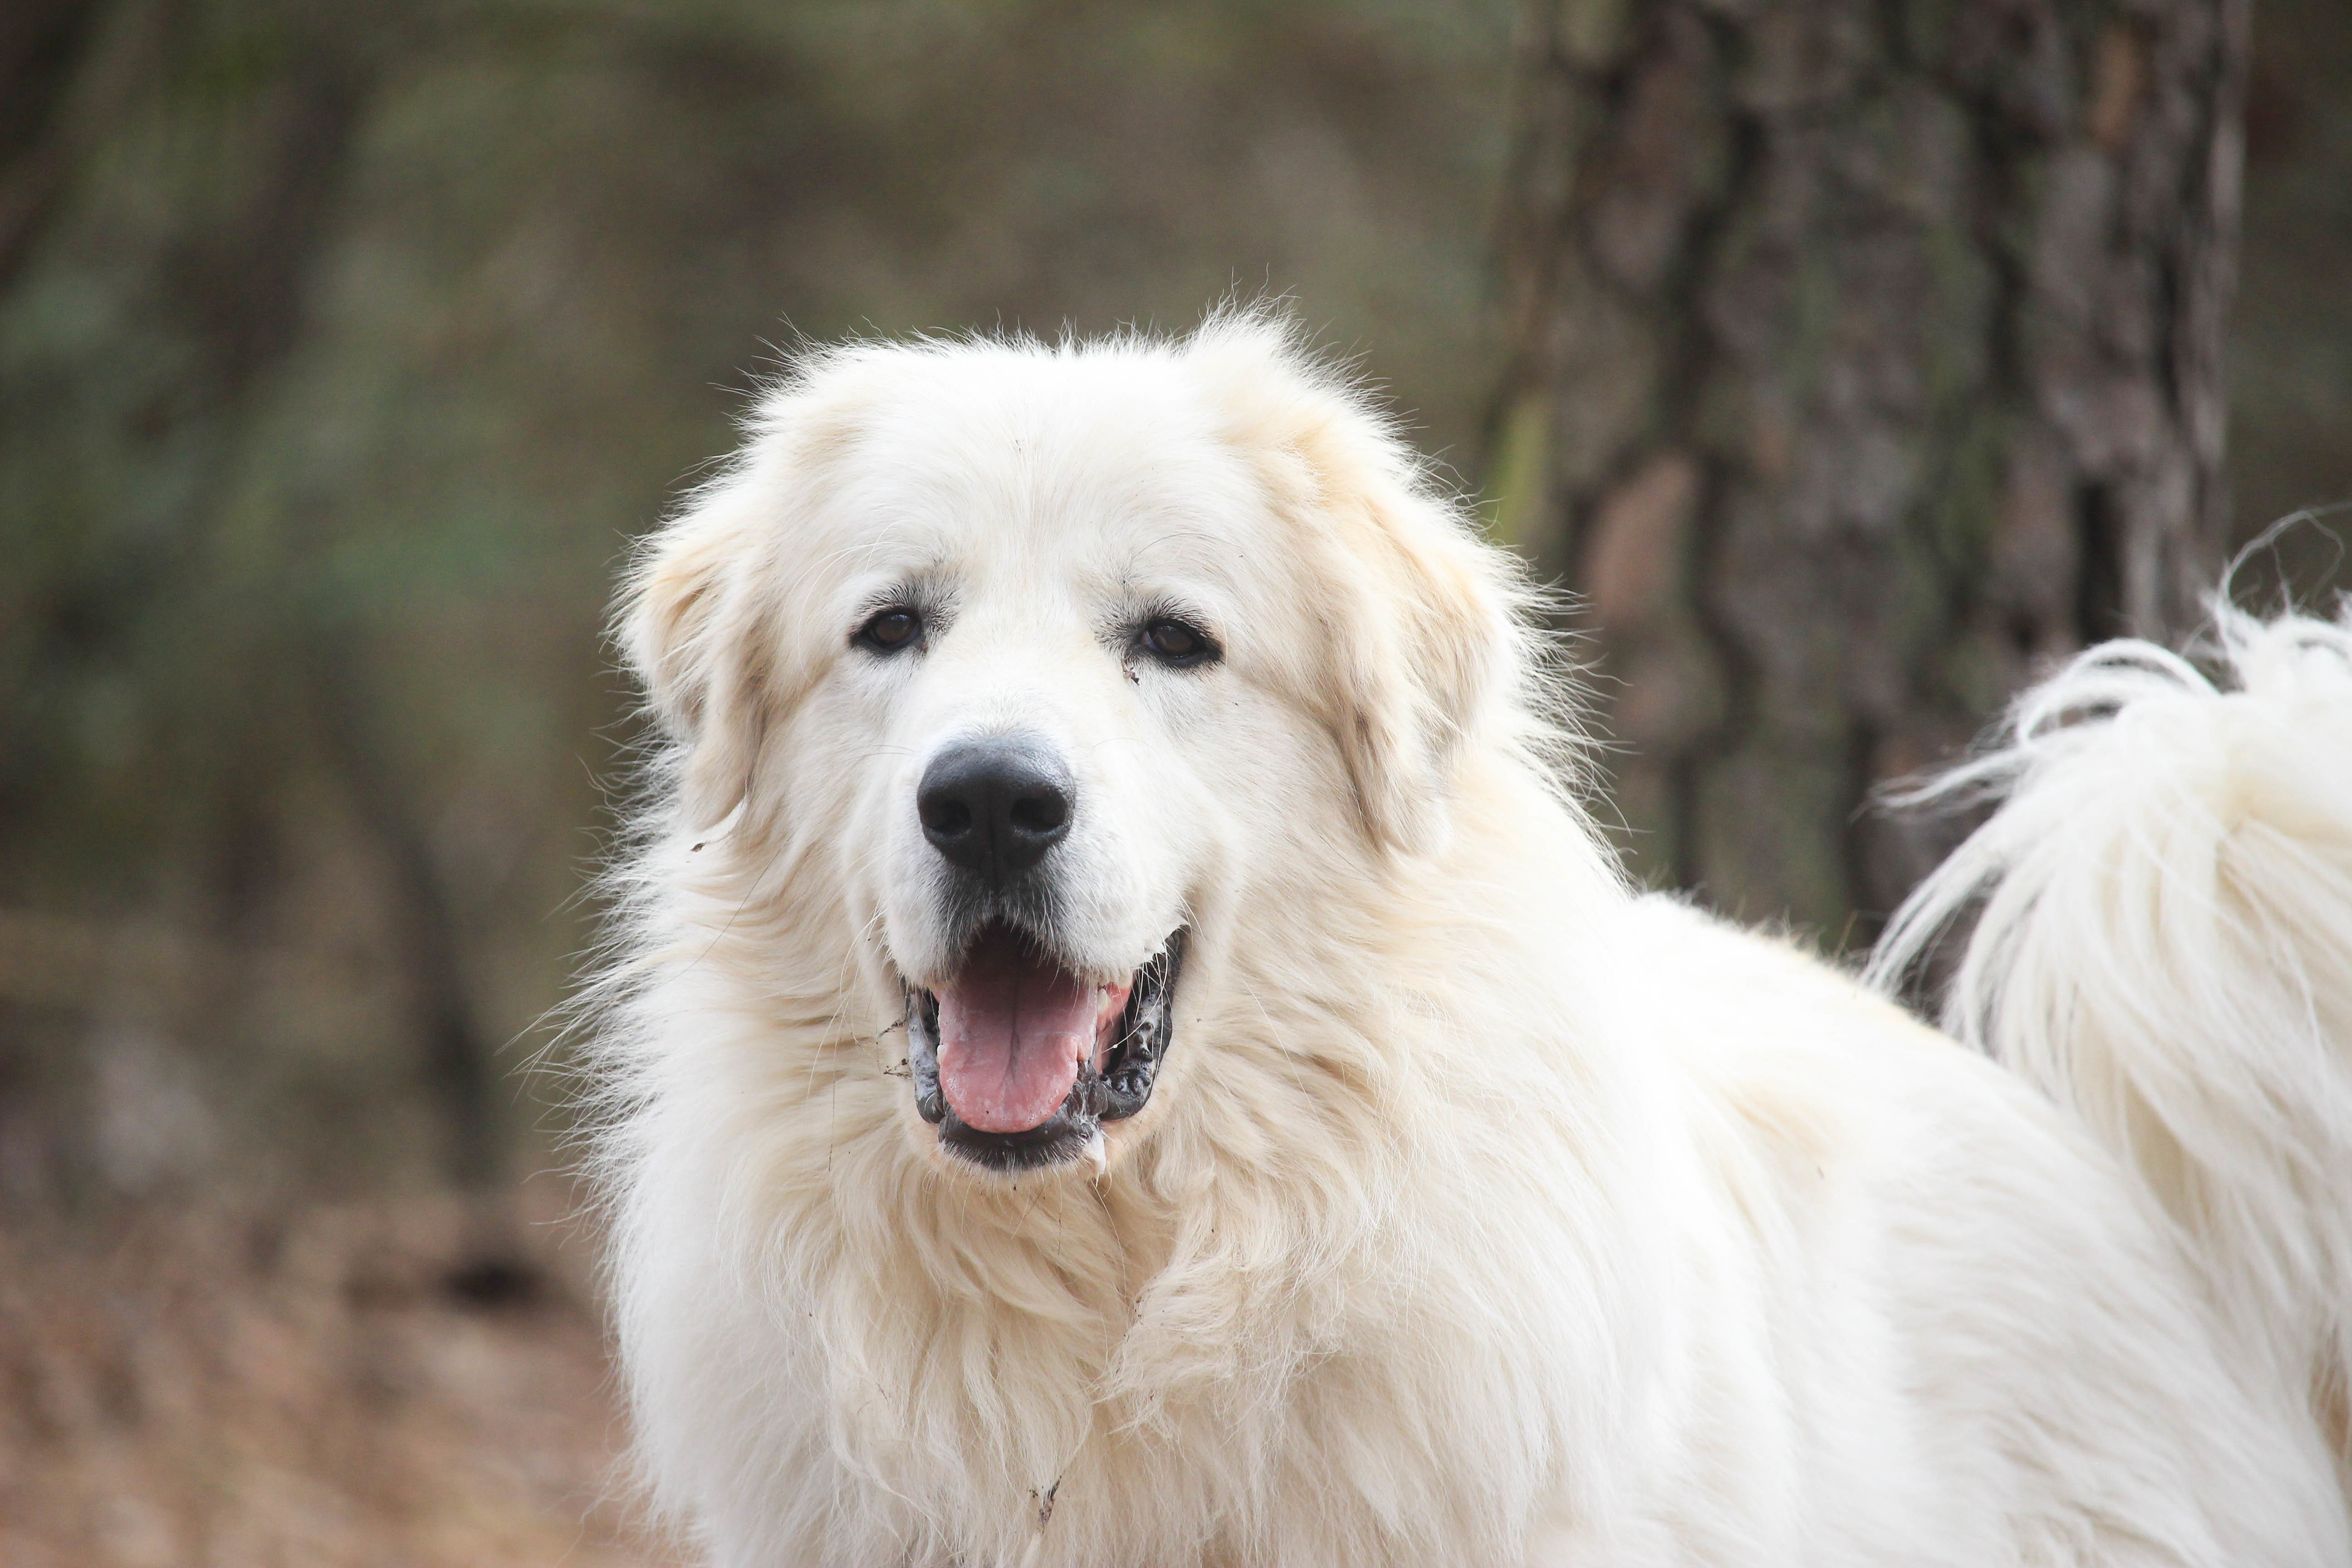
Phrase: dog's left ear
[1423,646]
[1419,657]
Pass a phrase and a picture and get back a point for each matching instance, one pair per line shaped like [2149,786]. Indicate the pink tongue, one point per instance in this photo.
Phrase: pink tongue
[1013,1030]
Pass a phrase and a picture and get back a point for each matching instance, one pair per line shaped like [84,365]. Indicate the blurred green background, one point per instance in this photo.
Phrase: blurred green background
[343,349]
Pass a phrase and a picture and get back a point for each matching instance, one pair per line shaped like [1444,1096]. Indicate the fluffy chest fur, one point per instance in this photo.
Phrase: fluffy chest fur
[1298,1325]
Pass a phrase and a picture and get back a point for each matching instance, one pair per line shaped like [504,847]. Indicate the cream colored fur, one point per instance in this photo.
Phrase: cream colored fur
[2166,948]
[1485,1212]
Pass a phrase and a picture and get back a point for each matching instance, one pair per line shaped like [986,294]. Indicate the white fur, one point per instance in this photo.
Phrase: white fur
[1485,1212]
[2164,947]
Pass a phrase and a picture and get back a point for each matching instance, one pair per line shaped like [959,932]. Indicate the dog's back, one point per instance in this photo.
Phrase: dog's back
[1989,1344]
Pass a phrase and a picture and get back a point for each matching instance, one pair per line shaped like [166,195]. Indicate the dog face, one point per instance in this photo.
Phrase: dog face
[1031,665]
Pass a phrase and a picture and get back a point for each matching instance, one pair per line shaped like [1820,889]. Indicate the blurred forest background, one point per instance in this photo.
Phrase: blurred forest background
[342,351]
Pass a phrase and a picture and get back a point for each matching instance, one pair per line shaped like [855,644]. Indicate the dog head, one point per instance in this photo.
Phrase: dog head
[1019,670]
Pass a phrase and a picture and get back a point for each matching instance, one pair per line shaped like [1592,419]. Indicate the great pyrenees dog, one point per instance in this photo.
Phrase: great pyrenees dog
[1123,1047]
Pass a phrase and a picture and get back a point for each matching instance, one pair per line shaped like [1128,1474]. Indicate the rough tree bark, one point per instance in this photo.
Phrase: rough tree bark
[1868,353]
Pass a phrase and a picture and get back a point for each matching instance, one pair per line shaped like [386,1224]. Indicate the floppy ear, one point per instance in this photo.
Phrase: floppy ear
[1416,612]
[1420,657]
[690,629]
[705,615]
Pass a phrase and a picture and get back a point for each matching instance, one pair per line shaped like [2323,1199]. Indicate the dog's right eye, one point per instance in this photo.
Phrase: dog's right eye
[891,630]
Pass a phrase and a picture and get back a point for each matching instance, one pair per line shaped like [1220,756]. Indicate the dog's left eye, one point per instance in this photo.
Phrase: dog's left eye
[891,630]
[1170,641]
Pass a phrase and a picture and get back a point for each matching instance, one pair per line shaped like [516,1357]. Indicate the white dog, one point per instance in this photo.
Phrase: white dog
[1124,1051]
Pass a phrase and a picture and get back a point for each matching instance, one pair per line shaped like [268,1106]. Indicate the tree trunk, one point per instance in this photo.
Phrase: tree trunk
[1868,355]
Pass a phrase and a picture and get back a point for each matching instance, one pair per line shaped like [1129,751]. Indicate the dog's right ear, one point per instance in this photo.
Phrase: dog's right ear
[694,635]
[1422,649]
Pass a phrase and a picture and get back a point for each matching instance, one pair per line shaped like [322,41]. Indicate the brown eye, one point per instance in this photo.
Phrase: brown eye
[891,630]
[1172,642]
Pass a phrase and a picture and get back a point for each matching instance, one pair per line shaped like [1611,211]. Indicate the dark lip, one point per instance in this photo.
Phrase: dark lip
[1122,1089]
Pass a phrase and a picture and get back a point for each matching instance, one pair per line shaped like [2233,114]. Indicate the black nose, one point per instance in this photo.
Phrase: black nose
[995,805]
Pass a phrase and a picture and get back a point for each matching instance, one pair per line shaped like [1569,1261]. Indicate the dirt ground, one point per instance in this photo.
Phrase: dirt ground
[416,1384]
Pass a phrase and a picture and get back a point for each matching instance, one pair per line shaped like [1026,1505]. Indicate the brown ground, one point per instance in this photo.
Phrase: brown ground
[395,1384]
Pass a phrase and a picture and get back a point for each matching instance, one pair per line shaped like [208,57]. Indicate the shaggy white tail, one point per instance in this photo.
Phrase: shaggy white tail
[2165,944]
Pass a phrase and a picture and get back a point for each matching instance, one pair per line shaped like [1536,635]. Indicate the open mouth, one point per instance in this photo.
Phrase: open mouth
[1019,1062]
